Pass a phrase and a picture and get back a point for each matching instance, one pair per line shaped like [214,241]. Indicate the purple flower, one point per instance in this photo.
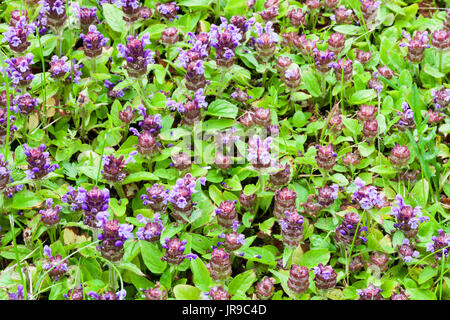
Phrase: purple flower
[367,196]
[19,295]
[137,57]
[225,38]
[168,10]
[39,164]
[259,152]
[56,265]
[175,251]
[439,244]
[108,295]
[93,42]
[19,71]
[54,11]
[50,216]
[92,202]
[17,35]
[408,219]
[76,71]
[26,104]
[156,197]
[266,40]
[112,237]
[152,230]
[59,67]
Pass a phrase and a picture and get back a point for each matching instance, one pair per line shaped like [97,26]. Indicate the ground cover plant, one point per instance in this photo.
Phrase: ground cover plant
[224,149]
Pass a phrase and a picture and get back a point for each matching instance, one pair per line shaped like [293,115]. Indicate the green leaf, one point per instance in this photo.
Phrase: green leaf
[241,283]
[140,176]
[427,274]
[116,208]
[202,279]
[186,292]
[222,108]
[313,257]
[311,84]
[363,96]
[152,257]
[420,294]
[25,199]
[114,17]
[195,3]
[383,170]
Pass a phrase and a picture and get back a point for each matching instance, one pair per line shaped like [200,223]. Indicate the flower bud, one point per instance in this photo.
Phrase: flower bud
[311,208]
[336,124]
[74,294]
[157,293]
[313,4]
[264,288]
[378,262]
[218,293]
[366,112]
[323,59]
[385,72]
[297,17]
[292,228]
[220,265]
[351,159]
[127,115]
[174,251]
[281,177]
[292,77]
[170,36]
[370,293]
[298,280]
[399,155]
[284,201]
[222,162]
[325,277]
[370,128]
[247,119]
[283,63]
[261,116]
[327,195]
[346,232]
[342,15]
[182,161]
[226,213]
[336,42]
[363,56]
[326,157]
[247,201]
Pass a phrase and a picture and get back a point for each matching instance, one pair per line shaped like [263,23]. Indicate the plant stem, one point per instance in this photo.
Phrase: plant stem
[119,189]
[16,252]
[112,278]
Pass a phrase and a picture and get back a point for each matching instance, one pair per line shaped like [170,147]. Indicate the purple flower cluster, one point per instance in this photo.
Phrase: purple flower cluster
[226,213]
[54,11]
[367,197]
[93,42]
[175,251]
[168,10]
[17,35]
[349,232]
[92,203]
[152,229]
[87,16]
[114,168]
[408,219]
[416,45]
[233,241]
[19,71]
[130,8]
[108,295]
[439,245]
[191,109]
[292,228]
[50,216]
[39,165]
[137,57]
[325,277]
[113,93]
[19,295]
[266,40]
[406,251]
[112,237]
[26,104]
[151,122]
[59,67]
[56,265]
[225,38]
[407,118]
[259,152]
[156,197]
[192,61]
[180,196]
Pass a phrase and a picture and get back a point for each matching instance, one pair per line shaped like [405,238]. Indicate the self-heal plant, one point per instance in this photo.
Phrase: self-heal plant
[152,230]
[39,163]
[17,35]
[137,57]
[56,266]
